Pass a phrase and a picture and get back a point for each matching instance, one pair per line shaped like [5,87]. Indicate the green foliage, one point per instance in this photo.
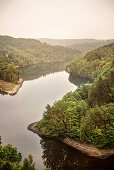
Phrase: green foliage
[88,113]
[83,91]
[10,153]
[10,159]
[72,117]
[28,164]
[64,117]
[8,72]
[94,64]
[0,140]
[18,52]
[102,92]
[97,126]
[28,51]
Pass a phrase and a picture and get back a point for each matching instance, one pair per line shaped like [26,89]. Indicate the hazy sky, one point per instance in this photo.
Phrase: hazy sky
[57,18]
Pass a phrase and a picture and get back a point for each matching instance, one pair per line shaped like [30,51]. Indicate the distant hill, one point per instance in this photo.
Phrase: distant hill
[20,52]
[94,64]
[24,51]
[84,45]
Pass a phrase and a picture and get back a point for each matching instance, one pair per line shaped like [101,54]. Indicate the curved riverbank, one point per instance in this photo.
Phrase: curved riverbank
[10,88]
[90,150]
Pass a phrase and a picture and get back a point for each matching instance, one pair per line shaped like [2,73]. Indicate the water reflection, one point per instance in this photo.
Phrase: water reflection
[35,71]
[58,156]
[79,80]
[38,70]
[17,112]
[27,106]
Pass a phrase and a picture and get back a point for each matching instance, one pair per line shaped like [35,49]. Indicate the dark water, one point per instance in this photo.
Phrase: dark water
[16,112]
[58,156]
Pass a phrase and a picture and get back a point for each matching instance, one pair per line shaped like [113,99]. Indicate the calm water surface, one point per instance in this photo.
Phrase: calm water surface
[17,112]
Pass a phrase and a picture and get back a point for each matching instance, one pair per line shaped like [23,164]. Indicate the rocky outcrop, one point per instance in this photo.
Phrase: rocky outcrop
[90,150]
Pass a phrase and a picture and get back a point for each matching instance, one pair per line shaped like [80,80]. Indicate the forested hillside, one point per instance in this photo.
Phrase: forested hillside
[25,51]
[8,72]
[87,114]
[84,45]
[94,64]
[18,52]
[89,46]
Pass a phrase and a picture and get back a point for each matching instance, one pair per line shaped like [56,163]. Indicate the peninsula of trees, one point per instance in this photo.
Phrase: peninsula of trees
[87,114]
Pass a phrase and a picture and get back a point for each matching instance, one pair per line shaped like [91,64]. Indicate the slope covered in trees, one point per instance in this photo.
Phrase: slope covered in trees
[87,114]
[94,64]
[18,52]
[22,51]
[8,72]
[84,45]
[73,116]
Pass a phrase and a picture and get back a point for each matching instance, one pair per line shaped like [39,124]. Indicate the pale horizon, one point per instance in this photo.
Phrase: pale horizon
[57,19]
[37,38]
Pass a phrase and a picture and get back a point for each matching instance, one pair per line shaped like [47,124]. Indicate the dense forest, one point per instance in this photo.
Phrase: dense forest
[87,114]
[8,72]
[18,52]
[94,64]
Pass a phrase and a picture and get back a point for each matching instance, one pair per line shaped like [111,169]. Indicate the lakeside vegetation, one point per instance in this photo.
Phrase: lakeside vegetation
[8,72]
[19,52]
[35,71]
[10,159]
[94,64]
[87,114]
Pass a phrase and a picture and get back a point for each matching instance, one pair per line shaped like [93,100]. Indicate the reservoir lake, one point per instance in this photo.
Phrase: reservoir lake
[43,84]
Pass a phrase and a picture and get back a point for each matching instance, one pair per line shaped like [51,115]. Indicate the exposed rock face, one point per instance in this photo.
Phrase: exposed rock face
[90,150]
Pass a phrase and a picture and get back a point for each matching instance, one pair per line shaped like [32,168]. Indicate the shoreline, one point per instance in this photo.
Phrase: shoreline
[89,150]
[20,82]
[15,88]
[35,63]
[77,75]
